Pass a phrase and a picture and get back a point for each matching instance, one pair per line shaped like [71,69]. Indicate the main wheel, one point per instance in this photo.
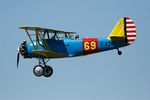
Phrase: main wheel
[38,70]
[48,71]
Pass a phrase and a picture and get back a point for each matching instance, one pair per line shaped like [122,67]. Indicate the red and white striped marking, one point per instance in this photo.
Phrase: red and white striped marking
[130,30]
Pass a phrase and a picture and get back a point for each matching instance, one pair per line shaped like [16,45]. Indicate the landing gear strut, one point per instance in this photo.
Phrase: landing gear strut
[44,70]
[119,52]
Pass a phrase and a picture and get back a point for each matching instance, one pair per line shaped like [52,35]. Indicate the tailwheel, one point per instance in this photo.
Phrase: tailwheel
[38,70]
[48,71]
[119,52]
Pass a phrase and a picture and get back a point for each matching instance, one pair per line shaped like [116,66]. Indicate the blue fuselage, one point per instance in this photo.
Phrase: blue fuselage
[71,48]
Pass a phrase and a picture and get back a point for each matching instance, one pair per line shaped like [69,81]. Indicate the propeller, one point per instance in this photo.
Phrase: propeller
[21,50]
[18,56]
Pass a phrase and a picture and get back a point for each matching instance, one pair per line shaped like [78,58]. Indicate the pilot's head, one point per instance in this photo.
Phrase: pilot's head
[77,37]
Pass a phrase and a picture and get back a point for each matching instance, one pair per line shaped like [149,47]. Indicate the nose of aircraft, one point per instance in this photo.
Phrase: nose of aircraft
[22,49]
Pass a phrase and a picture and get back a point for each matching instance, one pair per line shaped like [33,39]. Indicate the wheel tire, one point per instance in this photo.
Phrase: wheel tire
[48,71]
[119,53]
[38,70]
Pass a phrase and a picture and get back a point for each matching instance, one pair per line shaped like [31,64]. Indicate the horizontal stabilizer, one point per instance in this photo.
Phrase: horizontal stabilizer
[117,38]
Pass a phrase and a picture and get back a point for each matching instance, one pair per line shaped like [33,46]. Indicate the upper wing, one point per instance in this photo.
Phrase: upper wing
[39,35]
[45,30]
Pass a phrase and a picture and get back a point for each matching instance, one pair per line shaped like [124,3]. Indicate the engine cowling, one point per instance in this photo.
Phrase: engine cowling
[23,50]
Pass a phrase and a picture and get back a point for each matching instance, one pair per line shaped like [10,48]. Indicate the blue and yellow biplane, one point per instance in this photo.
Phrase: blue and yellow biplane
[47,44]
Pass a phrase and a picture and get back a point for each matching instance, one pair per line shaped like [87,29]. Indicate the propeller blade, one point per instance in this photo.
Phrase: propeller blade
[18,55]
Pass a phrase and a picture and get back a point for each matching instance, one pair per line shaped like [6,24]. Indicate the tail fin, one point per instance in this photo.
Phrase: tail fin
[124,30]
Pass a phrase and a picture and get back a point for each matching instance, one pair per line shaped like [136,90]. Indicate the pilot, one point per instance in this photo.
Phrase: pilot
[77,37]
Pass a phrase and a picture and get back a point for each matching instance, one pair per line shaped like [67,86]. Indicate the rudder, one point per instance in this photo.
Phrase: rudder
[130,30]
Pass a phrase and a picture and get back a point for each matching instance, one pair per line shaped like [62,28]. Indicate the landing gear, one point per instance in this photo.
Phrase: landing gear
[119,52]
[48,71]
[39,70]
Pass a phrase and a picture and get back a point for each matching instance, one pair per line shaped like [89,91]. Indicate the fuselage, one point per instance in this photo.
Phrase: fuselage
[72,48]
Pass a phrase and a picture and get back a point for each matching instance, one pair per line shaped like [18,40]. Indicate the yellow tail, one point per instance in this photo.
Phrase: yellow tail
[124,30]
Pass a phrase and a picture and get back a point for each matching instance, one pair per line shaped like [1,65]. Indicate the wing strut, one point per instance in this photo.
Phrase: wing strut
[30,38]
[42,39]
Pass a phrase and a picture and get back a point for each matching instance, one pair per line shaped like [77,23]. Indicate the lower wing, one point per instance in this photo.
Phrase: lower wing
[48,54]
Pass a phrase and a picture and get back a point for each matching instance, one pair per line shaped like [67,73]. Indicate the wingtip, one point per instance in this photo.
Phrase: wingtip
[28,26]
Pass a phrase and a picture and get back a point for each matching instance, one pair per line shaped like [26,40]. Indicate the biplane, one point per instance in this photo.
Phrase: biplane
[46,44]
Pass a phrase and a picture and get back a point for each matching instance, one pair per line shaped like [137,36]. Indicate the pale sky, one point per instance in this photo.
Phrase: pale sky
[102,76]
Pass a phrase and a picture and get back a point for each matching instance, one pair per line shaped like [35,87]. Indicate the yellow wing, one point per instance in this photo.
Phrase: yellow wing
[39,34]
[45,30]
[48,53]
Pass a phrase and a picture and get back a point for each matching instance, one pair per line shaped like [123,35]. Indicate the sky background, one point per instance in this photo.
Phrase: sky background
[102,76]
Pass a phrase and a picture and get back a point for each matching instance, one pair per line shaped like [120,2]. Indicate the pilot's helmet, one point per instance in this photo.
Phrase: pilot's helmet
[77,37]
